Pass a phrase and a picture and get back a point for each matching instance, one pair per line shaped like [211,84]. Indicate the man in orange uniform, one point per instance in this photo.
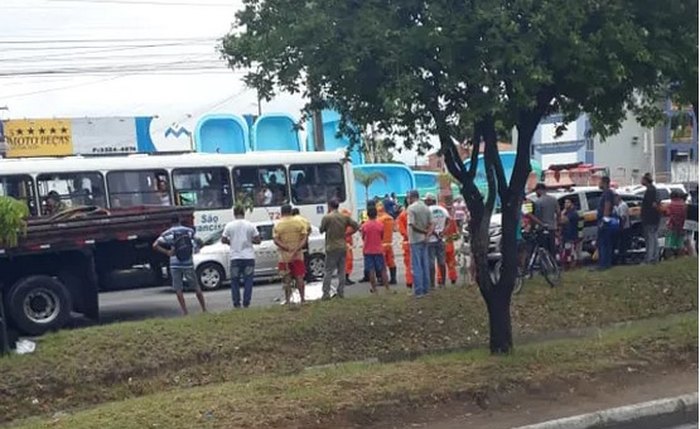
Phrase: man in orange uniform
[450,235]
[387,241]
[402,224]
[348,252]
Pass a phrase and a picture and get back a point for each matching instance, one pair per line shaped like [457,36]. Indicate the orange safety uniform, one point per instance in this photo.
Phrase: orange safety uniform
[348,244]
[388,236]
[402,224]
[451,234]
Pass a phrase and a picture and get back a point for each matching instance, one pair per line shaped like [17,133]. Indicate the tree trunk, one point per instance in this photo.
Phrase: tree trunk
[500,327]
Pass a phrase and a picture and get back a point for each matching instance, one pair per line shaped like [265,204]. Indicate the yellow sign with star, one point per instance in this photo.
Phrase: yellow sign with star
[38,137]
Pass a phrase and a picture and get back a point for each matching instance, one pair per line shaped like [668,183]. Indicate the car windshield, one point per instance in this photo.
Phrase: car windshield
[212,237]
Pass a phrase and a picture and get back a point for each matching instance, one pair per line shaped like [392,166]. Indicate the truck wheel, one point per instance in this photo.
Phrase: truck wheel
[38,304]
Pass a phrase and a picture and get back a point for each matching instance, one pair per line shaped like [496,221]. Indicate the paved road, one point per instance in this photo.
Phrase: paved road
[139,304]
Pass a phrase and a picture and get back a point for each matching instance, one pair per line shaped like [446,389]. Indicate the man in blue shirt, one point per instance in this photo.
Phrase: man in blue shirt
[177,242]
[607,224]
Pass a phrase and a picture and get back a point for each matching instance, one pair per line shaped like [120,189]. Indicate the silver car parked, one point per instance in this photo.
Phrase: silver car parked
[212,262]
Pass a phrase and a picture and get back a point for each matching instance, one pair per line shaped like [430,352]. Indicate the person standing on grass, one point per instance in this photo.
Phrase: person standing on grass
[419,228]
[336,227]
[608,223]
[675,228]
[650,219]
[373,249]
[290,235]
[240,234]
[622,211]
[436,242]
[178,243]
[569,218]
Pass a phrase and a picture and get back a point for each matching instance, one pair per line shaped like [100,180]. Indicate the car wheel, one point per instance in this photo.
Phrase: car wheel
[210,276]
[317,266]
[38,304]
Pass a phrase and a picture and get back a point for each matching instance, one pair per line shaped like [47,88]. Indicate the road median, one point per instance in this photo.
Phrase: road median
[358,394]
[80,368]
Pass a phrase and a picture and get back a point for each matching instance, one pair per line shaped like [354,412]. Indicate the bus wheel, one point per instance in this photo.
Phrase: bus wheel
[38,304]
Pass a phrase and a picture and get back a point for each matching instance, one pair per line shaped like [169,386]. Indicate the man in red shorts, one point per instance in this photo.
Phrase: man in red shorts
[290,235]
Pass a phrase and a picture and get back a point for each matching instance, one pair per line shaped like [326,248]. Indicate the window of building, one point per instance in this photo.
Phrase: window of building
[138,188]
[317,183]
[265,186]
[19,187]
[73,189]
[203,188]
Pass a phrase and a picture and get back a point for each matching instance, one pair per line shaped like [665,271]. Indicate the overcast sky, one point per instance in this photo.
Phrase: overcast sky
[76,58]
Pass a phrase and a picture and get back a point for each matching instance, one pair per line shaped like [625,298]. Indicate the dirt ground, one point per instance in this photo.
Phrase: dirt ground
[538,403]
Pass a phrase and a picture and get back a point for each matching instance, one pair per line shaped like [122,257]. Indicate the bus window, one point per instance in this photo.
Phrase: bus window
[317,183]
[138,188]
[265,185]
[203,188]
[20,187]
[73,189]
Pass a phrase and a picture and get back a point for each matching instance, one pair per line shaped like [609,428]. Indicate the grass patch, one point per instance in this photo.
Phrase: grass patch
[89,366]
[316,397]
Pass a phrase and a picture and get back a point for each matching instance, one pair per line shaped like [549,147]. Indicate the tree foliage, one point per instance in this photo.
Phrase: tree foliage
[465,69]
[13,220]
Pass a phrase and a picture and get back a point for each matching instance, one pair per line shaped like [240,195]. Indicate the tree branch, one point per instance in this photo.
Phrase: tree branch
[491,151]
[476,142]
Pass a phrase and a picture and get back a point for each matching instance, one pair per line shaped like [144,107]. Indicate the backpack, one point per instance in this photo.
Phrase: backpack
[182,243]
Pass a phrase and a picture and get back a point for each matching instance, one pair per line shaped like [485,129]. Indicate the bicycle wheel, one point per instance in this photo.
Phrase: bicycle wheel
[519,280]
[549,268]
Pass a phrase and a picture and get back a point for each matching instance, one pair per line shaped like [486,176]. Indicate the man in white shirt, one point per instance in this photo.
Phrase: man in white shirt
[240,234]
[436,244]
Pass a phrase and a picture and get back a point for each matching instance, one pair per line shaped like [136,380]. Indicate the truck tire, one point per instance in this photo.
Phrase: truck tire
[38,304]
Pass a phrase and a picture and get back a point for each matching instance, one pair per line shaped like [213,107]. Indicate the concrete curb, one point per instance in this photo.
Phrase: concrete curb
[681,409]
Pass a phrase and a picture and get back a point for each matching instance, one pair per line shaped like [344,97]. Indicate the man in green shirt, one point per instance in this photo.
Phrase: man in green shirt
[335,225]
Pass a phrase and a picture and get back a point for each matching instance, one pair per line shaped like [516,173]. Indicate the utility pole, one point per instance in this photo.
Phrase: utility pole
[317,121]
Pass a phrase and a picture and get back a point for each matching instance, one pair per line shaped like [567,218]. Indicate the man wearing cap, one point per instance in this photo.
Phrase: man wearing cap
[402,224]
[419,229]
[387,240]
[436,243]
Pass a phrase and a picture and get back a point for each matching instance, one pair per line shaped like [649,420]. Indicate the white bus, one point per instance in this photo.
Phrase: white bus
[209,182]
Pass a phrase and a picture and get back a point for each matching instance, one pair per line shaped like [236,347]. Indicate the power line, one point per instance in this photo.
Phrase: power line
[60,88]
[119,40]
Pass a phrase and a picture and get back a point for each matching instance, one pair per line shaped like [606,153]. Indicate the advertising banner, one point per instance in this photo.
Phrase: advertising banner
[38,137]
[104,136]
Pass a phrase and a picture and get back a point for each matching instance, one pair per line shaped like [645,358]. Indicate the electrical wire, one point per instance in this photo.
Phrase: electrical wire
[61,88]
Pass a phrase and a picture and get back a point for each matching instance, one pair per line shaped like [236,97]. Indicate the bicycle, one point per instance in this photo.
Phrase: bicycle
[540,258]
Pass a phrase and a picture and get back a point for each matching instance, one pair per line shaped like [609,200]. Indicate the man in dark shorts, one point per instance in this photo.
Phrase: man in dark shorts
[373,250]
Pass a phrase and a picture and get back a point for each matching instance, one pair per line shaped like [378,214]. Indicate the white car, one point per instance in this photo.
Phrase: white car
[212,262]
